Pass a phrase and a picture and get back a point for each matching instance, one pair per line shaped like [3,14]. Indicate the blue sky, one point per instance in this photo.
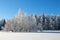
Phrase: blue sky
[9,8]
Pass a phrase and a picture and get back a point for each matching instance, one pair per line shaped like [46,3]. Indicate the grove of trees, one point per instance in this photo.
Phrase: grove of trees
[33,23]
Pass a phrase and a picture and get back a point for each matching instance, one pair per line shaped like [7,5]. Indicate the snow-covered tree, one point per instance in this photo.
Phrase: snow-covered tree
[24,23]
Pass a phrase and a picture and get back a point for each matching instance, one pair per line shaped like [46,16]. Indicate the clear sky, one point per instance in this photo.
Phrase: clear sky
[9,8]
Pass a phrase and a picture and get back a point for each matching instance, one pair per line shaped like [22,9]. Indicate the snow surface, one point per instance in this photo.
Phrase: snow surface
[29,36]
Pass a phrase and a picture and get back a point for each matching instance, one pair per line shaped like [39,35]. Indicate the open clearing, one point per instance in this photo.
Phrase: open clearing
[29,36]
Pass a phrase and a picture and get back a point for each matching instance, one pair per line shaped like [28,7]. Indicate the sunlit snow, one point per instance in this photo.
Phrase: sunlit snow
[29,36]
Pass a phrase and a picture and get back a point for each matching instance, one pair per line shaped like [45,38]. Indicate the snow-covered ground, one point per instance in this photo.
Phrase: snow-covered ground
[51,31]
[29,36]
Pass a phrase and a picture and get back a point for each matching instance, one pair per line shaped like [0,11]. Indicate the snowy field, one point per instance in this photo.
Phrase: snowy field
[29,36]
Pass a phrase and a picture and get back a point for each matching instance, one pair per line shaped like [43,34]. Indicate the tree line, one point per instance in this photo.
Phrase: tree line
[32,23]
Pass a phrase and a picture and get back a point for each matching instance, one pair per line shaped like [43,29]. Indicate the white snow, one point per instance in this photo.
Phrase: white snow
[29,36]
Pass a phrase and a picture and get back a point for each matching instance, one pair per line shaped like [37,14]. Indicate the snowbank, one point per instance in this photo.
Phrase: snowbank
[29,36]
